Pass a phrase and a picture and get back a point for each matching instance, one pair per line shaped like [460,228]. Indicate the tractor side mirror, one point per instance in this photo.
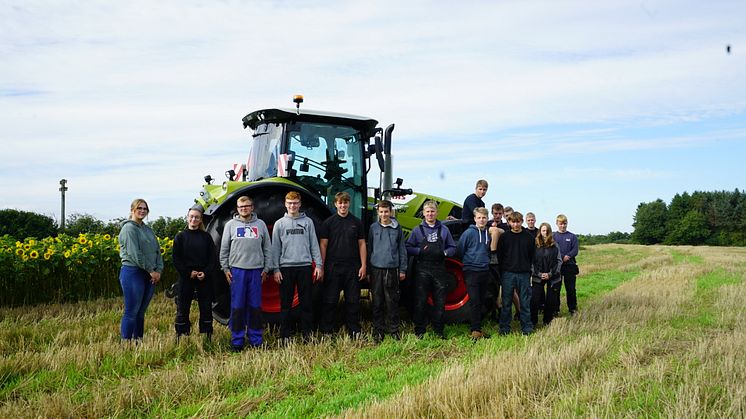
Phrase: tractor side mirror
[379,154]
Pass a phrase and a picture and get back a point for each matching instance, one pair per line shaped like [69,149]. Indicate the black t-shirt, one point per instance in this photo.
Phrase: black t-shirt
[343,234]
[516,251]
[534,232]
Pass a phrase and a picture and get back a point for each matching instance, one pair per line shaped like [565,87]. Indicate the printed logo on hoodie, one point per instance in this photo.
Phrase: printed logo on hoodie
[247,232]
[296,230]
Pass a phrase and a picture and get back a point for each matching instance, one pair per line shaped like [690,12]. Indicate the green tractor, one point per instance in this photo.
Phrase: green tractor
[318,154]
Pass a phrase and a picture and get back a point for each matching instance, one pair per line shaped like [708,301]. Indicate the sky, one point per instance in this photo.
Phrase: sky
[585,108]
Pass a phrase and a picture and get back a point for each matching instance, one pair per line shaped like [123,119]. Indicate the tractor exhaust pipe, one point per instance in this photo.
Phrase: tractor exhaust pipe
[388,171]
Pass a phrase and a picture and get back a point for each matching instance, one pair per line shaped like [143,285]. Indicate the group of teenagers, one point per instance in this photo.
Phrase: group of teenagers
[528,262]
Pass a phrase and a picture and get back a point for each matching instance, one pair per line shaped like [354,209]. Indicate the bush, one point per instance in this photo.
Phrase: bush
[26,224]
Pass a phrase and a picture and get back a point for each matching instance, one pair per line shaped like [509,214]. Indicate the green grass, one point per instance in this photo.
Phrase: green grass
[341,374]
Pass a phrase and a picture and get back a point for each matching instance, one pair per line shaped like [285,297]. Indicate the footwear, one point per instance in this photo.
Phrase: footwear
[441,335]
[377,338]
[528,333]
[420,335]
[476,334]
[396,336]
[573,312]
[236,348]
[504,332]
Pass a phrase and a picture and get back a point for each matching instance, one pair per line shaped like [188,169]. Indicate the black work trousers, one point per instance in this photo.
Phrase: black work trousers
[476,287]
[185,295]
[292,277]
[384,287]
[430,278]
[340,277]
[547,295]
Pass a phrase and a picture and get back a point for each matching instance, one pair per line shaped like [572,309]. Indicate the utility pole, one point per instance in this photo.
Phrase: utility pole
[63,188]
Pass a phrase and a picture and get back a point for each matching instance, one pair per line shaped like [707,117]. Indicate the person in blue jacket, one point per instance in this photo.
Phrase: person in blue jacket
[474,248]
[430,243]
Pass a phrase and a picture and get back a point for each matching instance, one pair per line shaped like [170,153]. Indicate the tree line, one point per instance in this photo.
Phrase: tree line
[22,224]
[701,218]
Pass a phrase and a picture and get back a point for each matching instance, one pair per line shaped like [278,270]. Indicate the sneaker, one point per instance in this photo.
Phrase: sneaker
[441,335]
[573,312]
[236,348]
[476,335]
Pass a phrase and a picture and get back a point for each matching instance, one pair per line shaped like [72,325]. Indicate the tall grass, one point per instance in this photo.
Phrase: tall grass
[659,333]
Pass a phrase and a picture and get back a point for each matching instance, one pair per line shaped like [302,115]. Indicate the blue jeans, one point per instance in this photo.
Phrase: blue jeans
[521,282]
[138,291]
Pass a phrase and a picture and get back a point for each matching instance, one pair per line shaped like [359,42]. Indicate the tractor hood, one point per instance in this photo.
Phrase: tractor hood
[361,123]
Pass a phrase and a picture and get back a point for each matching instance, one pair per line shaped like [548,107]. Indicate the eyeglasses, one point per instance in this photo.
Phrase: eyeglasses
[195,217]
[292,203]
[142,209]
[245,206]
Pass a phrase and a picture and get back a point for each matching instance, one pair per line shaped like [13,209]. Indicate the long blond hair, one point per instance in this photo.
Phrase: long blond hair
[540,241]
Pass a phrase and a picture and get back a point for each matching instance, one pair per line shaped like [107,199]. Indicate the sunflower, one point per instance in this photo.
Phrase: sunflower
[34,254]
[82,239]
[47,256]
[26,246]
[20,252]
[25,257]
[84,250]
[67,254]
[107,237]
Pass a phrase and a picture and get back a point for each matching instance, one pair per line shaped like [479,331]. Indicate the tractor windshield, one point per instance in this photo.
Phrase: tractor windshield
[327,159]
[264,152]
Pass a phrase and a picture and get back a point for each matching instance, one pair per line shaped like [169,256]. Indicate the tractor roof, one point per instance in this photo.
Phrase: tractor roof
[279,115]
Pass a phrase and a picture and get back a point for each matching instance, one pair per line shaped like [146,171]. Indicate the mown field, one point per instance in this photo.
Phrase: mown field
[661,332]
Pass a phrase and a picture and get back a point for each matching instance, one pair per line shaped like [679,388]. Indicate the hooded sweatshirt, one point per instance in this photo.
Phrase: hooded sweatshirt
[246,245]
[139,247]
[416,239]
[474,248]
[386,246]
[294,242]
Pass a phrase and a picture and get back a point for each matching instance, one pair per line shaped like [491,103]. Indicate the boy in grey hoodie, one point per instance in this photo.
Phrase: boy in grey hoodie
[245,257]
[294,249]
[388,266]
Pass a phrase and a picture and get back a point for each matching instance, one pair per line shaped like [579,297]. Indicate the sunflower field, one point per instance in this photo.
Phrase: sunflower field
[65,268]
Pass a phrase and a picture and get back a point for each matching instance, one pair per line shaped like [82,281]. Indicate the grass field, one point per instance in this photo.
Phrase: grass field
[660,332]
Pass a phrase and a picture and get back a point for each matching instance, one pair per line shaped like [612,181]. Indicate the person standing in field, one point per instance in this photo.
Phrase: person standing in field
[246,259]
[194,260]
[430,243]
[388,266]
[142,265]
[568,245]
[295,249]
[345,259]
[545,276]
[474,201]
[516,251]
[474,248]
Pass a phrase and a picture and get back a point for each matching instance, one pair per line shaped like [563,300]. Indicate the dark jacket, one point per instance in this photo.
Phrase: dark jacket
[547,260]
[386,246]
[417,241]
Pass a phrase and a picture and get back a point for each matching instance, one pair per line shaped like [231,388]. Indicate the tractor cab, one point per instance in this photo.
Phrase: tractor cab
[323,152]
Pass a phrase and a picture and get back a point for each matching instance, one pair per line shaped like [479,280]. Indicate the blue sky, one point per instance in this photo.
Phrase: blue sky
[581,107]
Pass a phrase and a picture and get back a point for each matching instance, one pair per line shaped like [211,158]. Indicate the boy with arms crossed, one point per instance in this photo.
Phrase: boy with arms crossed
[474,201]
